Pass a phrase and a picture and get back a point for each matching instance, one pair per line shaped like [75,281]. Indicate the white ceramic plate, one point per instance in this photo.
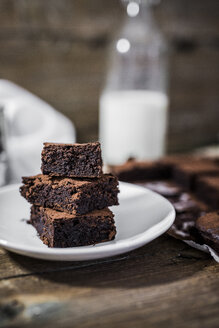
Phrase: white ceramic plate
[141,217]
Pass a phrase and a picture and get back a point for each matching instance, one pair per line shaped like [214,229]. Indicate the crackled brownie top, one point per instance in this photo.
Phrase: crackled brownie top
[53,215]
[41,179]
[72,160]
[56,182]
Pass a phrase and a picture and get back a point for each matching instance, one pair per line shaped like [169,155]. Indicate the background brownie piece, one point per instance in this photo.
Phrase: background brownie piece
[171,161]
[72,160]
[60,229]
[186,174]
[208,190]
[134,170]
[208,227]
[71,195]
[161,169]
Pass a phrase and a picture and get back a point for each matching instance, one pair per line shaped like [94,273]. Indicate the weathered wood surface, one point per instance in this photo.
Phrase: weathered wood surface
[163,284]
[58,49]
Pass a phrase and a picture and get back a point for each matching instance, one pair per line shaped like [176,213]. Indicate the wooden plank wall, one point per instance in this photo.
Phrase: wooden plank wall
[58,49]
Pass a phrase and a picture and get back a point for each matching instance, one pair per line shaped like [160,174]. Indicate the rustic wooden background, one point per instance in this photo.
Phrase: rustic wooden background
[58,49]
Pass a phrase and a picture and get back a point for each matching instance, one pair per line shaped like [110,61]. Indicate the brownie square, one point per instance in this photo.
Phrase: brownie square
[208,228]
[60,229]
[74,196]
[208,190]
[134,170]
[171,161]
[72,160]
[161,169]
[186,174]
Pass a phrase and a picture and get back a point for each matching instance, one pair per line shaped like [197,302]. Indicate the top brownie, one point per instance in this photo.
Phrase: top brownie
[72,160]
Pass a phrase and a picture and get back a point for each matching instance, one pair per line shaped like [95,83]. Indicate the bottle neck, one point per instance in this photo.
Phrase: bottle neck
[140,11]
[145,12]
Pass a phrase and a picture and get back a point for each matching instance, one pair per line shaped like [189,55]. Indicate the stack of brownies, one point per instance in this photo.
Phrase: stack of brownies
[70,198]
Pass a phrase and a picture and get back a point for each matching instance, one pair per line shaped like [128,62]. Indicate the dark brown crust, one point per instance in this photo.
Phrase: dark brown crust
[74,196]
[208,190]
[186,174]
[208,227]
[134,170]
[72,160]
[59,229]
[140,170]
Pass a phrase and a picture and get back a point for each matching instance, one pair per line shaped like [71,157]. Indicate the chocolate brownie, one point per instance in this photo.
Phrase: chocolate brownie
[186,174]
[134,170]
[72,160]
[60,229]
[208,227]
[208,190]
[171,161]
[70,195]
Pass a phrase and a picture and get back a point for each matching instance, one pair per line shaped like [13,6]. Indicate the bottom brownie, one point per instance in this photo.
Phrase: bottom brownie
[60,229]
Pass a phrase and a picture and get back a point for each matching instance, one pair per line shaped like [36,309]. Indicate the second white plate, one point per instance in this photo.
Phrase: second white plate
[141,217]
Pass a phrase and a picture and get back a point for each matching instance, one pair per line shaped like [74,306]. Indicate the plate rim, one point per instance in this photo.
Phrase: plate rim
[118,247]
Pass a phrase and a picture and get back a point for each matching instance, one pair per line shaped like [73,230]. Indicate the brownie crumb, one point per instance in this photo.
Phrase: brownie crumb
[72,160]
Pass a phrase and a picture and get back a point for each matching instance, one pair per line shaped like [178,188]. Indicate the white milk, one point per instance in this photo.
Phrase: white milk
[132,124]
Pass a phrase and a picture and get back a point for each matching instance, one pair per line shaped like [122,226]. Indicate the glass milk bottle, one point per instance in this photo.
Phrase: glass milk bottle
[134,102]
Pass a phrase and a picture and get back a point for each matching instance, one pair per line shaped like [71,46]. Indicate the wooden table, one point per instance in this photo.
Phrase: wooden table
[163,284]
